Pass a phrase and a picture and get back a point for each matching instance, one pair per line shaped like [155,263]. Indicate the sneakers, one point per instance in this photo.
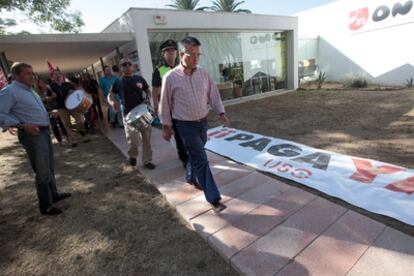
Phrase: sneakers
[218,207]
[132,161]
[149,166]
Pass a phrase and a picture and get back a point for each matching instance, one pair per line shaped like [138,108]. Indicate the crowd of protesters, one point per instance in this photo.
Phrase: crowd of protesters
[32,105]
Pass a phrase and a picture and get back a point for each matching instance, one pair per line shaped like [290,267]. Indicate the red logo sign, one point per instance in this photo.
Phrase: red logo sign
[358,18]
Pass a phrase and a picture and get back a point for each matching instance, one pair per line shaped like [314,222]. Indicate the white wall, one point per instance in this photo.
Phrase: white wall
[381,51]
[139,21]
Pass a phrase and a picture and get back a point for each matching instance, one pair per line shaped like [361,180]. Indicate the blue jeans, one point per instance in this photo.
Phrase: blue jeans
[194,137]
[40,151]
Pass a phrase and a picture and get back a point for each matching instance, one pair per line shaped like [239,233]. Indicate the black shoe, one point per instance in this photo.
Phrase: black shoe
[132,161]
[149,166]
[74,145]
[113,125]
[51,211]
[218,207]
[62,196]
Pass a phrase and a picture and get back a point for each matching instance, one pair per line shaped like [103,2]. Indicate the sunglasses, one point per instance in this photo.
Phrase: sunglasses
[126,64]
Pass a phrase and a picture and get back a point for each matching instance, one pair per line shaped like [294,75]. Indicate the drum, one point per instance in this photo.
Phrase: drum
[139,117]
[78,101]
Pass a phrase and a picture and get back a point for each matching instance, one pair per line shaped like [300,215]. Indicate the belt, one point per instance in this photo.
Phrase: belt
[195,121]
[43,127]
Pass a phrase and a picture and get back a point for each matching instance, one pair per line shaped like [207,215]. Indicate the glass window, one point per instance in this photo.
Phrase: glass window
[241,64]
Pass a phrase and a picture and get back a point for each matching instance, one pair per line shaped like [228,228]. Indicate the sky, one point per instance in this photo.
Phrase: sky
[98,14]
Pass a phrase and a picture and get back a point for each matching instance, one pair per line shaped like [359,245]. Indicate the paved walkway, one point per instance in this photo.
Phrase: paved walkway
[271,228]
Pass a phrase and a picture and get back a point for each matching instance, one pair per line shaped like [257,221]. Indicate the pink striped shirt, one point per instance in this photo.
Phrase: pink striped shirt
[187,97]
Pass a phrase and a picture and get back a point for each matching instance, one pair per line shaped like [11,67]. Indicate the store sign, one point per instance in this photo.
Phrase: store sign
[375,186]
[387,14]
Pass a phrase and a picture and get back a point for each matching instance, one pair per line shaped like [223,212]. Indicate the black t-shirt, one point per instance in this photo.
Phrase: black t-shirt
[62,91]
[156,78]
[131,90]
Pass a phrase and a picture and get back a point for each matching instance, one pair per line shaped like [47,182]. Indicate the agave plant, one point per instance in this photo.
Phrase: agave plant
[409,83]
[321,79]
[228,6]
[186,5]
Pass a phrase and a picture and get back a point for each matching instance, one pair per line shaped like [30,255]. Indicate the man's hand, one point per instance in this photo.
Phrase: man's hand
[224,120]
[31,129]
[166,133]
[12,130]
[115,105]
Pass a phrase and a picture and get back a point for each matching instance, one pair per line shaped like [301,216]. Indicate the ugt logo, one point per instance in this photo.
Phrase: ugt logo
[358,18]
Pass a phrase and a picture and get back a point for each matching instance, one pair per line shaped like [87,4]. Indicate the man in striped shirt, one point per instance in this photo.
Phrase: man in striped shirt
[186,93]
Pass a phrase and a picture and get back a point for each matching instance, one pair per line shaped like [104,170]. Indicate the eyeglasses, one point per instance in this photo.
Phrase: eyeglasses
[126,64]
[191,55]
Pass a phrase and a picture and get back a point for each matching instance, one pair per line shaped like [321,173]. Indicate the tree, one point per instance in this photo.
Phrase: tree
[186,5]
[228,6]
[40,12]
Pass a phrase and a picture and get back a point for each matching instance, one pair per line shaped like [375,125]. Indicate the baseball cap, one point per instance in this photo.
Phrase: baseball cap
[125,60]
[168,44]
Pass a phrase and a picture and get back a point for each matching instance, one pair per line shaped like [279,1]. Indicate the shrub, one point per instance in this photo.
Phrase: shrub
[358,82]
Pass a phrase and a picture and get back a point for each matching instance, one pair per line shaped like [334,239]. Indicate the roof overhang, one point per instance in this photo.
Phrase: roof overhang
[71,52]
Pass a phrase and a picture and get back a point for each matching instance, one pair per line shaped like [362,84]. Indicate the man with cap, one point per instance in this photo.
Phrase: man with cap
[131,90]
[169,60]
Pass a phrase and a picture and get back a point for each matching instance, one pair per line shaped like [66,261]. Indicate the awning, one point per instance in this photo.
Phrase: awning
[71,52]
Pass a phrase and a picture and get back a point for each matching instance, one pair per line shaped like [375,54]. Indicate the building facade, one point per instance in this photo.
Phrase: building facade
[369,39]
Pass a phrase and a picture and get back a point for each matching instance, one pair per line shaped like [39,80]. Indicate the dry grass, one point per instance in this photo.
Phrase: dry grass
[116,222]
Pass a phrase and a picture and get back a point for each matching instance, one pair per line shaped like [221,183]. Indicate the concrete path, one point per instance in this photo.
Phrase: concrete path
[271,228]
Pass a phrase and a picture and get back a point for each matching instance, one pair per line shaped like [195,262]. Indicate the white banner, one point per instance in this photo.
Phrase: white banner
[375,186]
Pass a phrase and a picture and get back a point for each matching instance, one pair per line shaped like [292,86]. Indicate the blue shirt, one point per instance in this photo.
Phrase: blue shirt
[106,84]
[20,104]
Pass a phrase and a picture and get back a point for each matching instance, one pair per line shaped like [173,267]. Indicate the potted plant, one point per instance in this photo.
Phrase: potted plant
[236,77]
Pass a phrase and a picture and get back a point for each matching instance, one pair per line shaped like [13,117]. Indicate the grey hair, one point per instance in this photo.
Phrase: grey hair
[188,42]
[17,68]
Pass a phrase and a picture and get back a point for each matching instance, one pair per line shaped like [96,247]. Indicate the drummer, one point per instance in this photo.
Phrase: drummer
[62,90]
[131,90]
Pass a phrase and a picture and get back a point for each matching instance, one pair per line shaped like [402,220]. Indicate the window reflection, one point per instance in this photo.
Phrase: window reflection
[241,64]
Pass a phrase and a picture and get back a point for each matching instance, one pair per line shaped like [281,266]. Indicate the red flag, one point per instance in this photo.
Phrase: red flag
[50,68]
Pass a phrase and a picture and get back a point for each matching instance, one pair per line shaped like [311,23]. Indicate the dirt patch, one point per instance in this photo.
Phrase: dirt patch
[116,222]
[377,125]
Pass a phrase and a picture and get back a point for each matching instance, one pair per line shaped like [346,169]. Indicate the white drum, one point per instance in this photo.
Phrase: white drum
[78,101]
[139,117]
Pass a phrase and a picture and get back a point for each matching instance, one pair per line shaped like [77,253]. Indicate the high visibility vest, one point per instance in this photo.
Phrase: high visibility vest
[164,70]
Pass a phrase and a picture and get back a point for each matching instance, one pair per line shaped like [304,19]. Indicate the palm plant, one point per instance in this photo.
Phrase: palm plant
[186,5]
[228,6]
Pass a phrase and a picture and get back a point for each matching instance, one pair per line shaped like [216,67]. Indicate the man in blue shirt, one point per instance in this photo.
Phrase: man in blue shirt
[21,107]
[105,83]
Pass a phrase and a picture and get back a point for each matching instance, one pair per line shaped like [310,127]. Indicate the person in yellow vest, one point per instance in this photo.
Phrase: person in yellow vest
[169,60]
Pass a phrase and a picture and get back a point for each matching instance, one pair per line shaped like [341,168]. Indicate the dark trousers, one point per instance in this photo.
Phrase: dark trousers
[181,151]
[40,152]
[55,123]
[194,137]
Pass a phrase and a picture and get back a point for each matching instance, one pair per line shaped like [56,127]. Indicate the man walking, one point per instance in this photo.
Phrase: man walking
[105,83]
[169,60]
[186,92]
[22,108]
[131,90]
